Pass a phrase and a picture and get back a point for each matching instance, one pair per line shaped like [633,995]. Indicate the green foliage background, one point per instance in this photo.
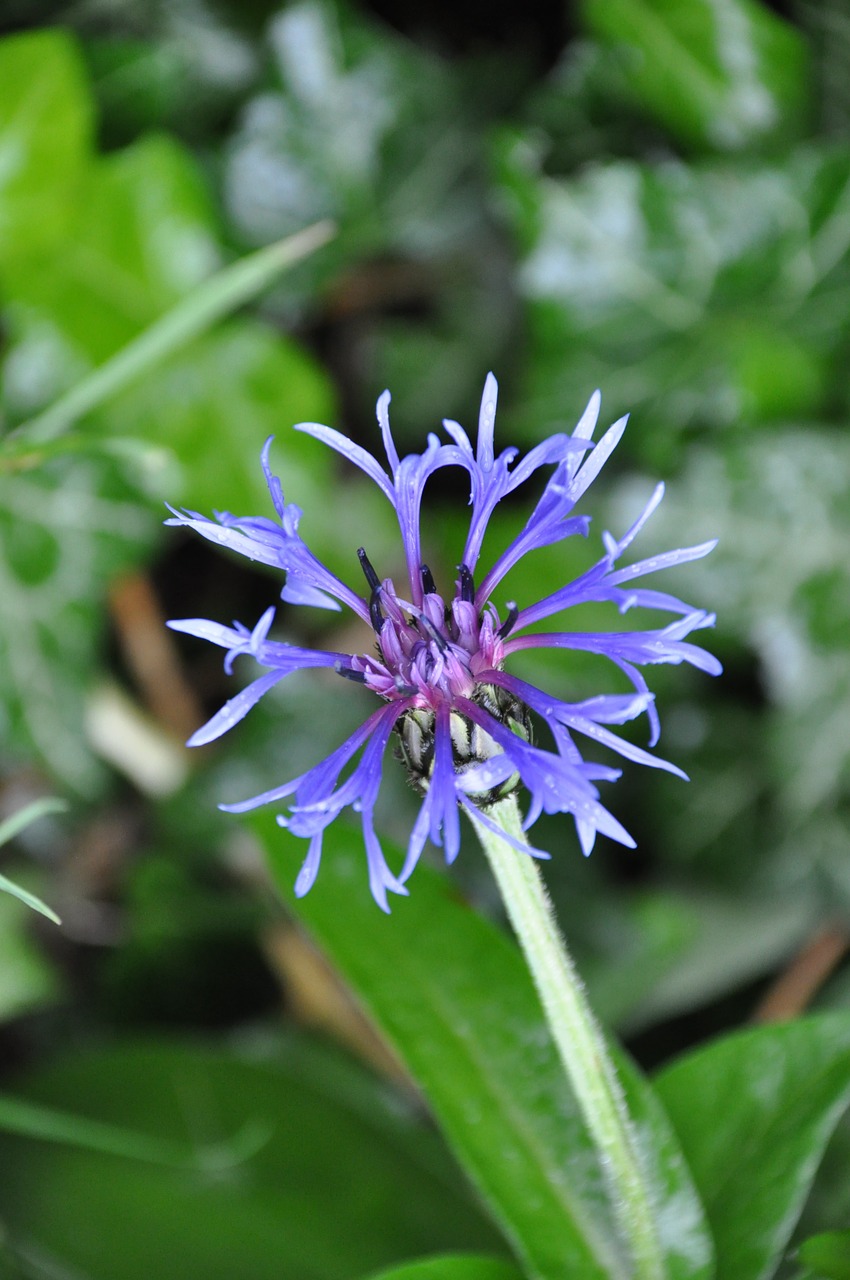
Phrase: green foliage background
[649,196]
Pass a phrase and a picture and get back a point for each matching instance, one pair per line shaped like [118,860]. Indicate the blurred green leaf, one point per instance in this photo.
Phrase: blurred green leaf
[298,1167]
[366,130]
[45,128]
[64,531]
[453,996]
[189,954]
[386,138]
[22,818]
[701,295]
[585,110]
[769,1098]
[718,74]
[226,291]
[184,67]
[827,1255]
[453,1267]
[144,243]
[31,1120]
[779,578]
[213,407]
[724,943]
[129,288]
[140,84]
[143,239]
[28,899]
[27,981]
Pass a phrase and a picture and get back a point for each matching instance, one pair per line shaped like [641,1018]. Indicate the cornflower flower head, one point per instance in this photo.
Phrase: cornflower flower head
[463,723]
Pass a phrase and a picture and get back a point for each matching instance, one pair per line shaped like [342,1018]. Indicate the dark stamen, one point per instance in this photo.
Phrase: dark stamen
[467,585]
[405,689]
[510,621]
[429,586]
[359,677]
[366,565]
[375,614]
[439,639]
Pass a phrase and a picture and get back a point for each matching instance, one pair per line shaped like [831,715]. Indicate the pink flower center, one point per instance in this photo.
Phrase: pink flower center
[436,652]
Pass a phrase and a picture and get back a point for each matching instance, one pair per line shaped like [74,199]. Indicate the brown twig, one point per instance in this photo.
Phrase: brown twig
[795,988]
[151,654]
[319,999]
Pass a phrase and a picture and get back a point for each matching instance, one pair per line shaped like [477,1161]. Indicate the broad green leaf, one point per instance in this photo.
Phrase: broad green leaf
[754,1112]
[828,1206]
[296,1165]
[45,127]
[451,993]
[143,239]
[827,1255]
[185,70]
[453,1267]
[719,74]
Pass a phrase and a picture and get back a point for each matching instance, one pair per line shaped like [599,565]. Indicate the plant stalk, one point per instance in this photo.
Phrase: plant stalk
[577,1035]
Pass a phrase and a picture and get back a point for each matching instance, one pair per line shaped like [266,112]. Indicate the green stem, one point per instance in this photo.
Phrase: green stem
[577,1035]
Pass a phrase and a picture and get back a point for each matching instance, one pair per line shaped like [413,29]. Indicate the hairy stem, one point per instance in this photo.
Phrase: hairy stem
[577,1036]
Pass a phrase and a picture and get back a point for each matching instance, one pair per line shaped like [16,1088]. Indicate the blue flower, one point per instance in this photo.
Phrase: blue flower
[437,667]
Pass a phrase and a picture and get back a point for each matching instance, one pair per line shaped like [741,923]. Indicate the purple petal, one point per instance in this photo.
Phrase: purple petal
[542,530]
[557,448]
[204,629]
[555,785]
[519,845]
[382,412]
[380,876]
[491,477]
[641,647]
[666,561]
[275,545]
[285,658]
[643,598]
[295,591]
[485,775]
[275,487]
[235,710]
[486,423]
[322,777]
[353,452]
[583,717]
[586,424]
[596,460]
[614,548]
[444,812]
[225,537]
[310,868]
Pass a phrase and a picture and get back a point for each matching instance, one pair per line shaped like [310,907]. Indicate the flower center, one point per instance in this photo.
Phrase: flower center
[434,652]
